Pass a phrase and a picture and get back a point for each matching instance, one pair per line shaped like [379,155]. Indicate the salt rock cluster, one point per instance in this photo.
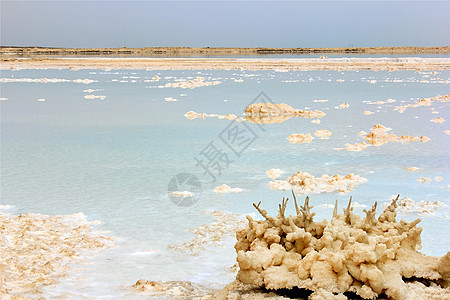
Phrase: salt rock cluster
[226,189]
[191,115]
[300,138]
[323,133]
[305,183]
[379,135]
[367,256]
[438,120]
[36,250]
[191,84]
[422,208]
[266,113]
[424,102]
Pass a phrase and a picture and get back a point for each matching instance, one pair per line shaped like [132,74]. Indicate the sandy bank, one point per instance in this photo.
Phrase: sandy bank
[294,64]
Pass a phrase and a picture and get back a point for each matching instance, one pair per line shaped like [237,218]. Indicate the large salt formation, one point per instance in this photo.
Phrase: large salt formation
[265,113]
[368,256]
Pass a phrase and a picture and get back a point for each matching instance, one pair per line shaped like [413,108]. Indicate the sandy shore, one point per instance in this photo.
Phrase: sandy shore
[279,64]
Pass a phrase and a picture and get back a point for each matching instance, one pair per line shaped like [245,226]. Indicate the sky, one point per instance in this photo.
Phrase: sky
[95,24]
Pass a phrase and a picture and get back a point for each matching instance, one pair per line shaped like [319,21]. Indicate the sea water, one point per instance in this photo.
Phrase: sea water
[113,158]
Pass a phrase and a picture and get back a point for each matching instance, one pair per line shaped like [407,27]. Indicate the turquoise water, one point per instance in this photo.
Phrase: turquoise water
[112,159]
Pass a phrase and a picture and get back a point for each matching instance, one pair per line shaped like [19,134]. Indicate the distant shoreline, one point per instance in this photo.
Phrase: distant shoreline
[206,51]
[252,64]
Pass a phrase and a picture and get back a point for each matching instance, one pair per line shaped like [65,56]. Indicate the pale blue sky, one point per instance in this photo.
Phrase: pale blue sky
[224,24]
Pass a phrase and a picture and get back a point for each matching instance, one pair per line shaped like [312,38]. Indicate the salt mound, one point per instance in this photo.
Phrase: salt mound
[323,133]
[274,173]
[342,106]
[36,250]
[378,136]
[368,256]
[299,138]
[422,208]
[191,84]
[226,189]
[438,120]
[424,102]
[265,113]
[305,183]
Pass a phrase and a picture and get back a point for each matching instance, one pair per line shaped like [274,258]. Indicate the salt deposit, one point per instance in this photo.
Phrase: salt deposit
[91,97]
[367,256]
[424,102]
[422,208]
[226,189]
[191,84]
[323,134]
[170,99]
[274,173]
[305,183]
[277,113]
[45,80]
[299,138]
[438,120]
[342,106]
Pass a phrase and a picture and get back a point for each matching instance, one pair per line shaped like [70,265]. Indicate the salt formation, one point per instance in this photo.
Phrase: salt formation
[174,289]
[323,133]
[41,100]
[321,100]
[422,208]
[45,80]
[413,169]
[36,250]
[183,194]
[299,138]
[226,189]
[3,99]
[170,99]
[156,78]
[305,183]
[193,115]
[91,97]
[356,147]
[315,121]
[191,84]
[366,256]
[224,225]
[342,106]
[438,120]
[266,113]
[424,180]
[274,173]
[424,102]
[447,132]
[368,112]
[378,136]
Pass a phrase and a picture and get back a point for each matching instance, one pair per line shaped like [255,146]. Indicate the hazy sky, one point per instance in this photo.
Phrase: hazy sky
[217,24]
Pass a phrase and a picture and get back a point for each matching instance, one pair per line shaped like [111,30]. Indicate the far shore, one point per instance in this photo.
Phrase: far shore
[276,64]
[213,51]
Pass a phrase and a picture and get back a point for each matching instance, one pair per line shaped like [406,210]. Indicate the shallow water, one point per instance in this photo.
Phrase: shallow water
[112,159]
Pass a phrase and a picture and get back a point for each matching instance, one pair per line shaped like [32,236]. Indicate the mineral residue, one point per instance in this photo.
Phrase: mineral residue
[265,113]
[368,256]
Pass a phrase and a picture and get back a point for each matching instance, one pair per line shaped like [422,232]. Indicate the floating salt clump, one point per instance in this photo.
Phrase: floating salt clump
[3,99]
[424,180]
[91,97]
[274,173]
[156,78]
[41,100]
[323,134]
[413,169]
[225,189]
[438,120]
[184,194]
[299,138]
[305,183]
[342,106]
[193,115]
[379,136]
[321,100]
[424,102]
[89,91]
[422,208]
[356,147]
[170,99]
[239,80]
[438,178]
[225,225]
[315,121]
[265,113]
[368,112]
[447,131]
[368,256]
[191,84]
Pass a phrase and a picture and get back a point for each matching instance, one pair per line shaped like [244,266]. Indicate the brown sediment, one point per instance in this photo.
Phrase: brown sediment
[301,64]
[366,256]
